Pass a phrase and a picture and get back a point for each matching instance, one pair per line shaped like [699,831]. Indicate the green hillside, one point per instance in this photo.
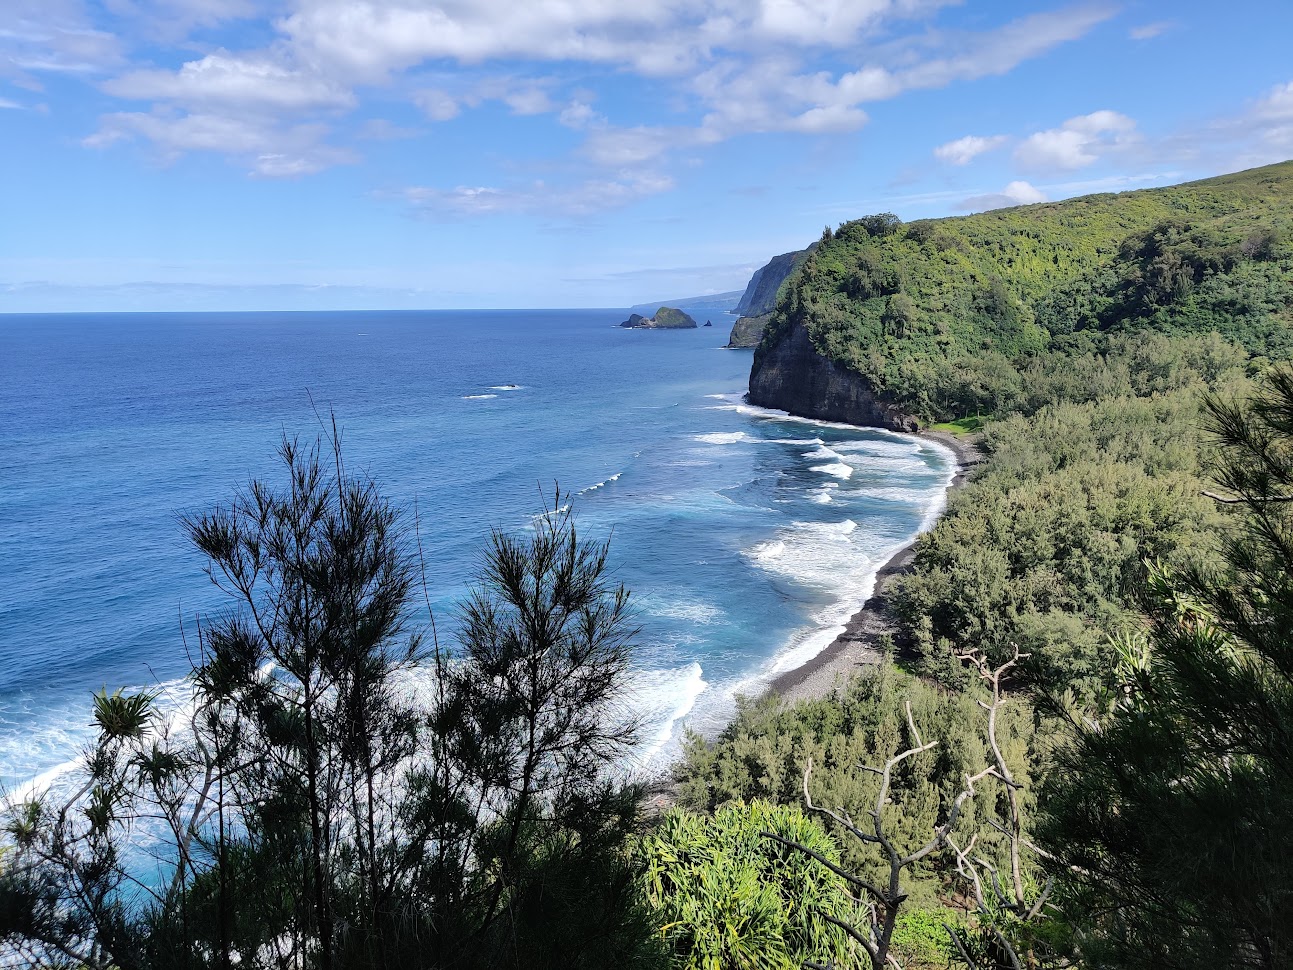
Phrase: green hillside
[946,316]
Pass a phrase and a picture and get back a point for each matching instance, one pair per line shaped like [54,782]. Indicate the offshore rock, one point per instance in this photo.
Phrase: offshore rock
[666,318]
[790,375]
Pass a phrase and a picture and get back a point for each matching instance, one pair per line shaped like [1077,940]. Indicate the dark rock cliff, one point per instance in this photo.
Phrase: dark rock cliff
[790,375]
[760,295]
[748,331]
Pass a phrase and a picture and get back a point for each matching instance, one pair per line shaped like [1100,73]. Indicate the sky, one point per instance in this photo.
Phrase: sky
[351,154]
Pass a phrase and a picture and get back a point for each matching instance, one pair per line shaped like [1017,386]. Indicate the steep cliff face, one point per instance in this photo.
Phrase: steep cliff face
[791,375]
[760,295]
[748,331]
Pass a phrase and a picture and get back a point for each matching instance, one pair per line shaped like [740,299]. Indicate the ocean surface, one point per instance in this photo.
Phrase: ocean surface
[747,537]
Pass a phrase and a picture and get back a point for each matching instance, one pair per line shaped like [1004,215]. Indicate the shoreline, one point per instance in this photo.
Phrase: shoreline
[858,646]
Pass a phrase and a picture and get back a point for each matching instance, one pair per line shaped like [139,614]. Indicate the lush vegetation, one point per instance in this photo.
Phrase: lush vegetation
[1077,750]
[949,317]
[1083,342]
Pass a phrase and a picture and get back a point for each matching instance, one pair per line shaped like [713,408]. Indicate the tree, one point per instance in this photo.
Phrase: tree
[1172,820]
[336,792]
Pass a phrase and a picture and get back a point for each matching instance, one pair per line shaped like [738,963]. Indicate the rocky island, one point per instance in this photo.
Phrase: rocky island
[665,318]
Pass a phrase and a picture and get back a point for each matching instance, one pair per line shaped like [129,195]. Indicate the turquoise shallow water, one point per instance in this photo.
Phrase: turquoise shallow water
[746,536]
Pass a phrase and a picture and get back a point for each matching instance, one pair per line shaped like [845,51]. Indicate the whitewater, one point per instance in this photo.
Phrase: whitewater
[746,536]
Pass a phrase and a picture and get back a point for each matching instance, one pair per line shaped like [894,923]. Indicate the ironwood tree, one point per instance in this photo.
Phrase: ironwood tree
[332,788]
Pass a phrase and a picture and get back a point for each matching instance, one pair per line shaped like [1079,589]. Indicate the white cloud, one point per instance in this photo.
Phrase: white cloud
[829,22]
[268,149]
[628,147]
[769,93]
[1076,143]
[579,114]
[964,150]
[56,37]
[538,198]
[435,104]
[6,104]
[1016,193]
[1150,31]
[529,101]
[1277,104]
[746,66]
[224,78]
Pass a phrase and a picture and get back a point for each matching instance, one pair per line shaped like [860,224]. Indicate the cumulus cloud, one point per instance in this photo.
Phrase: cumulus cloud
[224,78]
[965,150]
[1016,193]
[772,94]
[743,67]
[1077,143]
[583,199]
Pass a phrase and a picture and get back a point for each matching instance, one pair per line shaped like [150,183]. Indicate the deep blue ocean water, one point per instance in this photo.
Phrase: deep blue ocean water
[746,536]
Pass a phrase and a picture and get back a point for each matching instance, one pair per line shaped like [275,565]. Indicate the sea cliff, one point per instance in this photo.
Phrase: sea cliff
[790,374]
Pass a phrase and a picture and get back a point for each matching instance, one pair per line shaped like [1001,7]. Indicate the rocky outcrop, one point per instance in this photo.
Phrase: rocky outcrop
[748,331]
[791,375]
[760,295]
[666,318]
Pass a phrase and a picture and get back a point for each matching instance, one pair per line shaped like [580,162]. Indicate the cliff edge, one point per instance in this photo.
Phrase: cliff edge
[789,374]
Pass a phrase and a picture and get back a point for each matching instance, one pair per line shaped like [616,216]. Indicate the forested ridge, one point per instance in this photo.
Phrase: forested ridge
[969,315]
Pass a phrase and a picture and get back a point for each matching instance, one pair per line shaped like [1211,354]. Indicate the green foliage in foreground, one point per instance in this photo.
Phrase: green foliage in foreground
[1172,820]
[945,316]
[729,898]
[310,809]
[763,752]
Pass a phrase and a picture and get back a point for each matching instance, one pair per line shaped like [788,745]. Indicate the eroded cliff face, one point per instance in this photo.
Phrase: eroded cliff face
[791,375]
[748,331]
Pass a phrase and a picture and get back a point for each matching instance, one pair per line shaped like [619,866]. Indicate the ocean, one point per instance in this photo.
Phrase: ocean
[747,537]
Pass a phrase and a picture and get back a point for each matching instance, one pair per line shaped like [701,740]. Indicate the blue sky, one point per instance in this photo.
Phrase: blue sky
[305,154]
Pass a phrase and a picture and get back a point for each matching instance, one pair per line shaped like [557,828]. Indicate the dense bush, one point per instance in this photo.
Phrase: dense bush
[729,898]
[763,752]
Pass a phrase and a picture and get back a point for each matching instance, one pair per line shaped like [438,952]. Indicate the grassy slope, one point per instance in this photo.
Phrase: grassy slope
[939,314]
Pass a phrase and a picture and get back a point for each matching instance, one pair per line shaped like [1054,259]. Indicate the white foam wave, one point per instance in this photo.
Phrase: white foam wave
[722,437]
[820,555]
[905,448]
[663,698]
[904,495]
[822,453]
[478,397]
[593,488]
[506,387]
[836,468]
[693,611]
